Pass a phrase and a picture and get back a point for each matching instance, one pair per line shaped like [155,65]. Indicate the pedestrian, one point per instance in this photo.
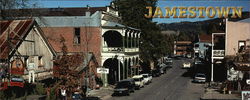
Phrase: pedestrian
[84,90]
[64,93]
[48,92]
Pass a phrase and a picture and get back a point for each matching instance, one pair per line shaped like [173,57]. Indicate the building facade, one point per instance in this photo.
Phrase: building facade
[94,30]
[25,51]
[182,48]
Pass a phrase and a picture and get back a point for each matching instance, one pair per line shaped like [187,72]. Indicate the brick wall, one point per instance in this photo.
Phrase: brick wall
[55,34]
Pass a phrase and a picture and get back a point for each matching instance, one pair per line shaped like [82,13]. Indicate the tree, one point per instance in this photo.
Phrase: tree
[153,44]
[8,8]
[66,69]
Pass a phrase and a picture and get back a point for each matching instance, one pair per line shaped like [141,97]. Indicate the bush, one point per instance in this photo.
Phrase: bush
[40,90]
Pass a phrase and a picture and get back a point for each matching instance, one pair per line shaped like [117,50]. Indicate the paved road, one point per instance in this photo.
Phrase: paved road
[170,86]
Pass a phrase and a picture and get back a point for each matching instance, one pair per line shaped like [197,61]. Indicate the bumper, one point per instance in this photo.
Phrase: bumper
[200,81]
[121,92]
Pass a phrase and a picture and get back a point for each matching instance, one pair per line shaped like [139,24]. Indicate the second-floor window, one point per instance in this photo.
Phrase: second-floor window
[77,37]
[241,46]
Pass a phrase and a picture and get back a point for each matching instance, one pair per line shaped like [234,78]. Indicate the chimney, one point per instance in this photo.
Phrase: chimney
[87,13]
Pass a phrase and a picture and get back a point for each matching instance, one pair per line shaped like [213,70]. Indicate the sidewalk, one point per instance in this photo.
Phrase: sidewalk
[212,94]
[103,93]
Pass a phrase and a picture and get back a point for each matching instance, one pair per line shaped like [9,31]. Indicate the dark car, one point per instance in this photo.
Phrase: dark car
[125,87]
[155,73]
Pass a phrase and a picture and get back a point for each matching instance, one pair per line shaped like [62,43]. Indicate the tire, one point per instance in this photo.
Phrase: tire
[128,93]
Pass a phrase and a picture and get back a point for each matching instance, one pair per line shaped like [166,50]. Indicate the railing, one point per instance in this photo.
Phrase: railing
[112,49]
[218,53]
[119,49]
[131,49]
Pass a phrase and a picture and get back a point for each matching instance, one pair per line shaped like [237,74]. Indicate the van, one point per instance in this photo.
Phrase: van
[139,81]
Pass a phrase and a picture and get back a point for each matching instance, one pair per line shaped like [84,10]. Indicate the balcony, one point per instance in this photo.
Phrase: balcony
[112,49]
[218,53]
[131,49]
[119,49]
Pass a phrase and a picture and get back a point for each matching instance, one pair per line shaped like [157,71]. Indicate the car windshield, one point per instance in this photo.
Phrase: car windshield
[122,84]
[200,75]
[137,79]
[145,76]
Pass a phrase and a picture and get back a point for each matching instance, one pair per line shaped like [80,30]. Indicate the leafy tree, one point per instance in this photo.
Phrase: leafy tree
[153,44]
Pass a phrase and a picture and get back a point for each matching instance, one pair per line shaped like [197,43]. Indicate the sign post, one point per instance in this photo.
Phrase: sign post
[103,71]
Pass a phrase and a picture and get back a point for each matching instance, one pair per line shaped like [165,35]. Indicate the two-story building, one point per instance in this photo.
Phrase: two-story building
[201,47]
[95,30]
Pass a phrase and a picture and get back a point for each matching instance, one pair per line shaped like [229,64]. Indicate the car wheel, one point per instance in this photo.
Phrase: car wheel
[128,93]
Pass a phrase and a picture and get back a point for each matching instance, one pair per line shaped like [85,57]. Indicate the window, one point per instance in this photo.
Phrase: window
[77,37]
[241,45]
[40,61]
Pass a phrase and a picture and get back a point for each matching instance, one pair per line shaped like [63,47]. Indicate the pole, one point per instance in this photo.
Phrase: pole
[119,70]
[212,58]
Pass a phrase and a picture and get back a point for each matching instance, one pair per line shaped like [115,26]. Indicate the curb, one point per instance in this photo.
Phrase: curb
[105,97]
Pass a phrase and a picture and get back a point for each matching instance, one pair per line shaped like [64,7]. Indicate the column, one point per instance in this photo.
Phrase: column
[127,67]
[138,35]
[131,39]
[135,39]
[119,70]
[123,68]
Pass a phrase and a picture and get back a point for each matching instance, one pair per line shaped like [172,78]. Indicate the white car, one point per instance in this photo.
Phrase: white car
[186,65]
[199,78]
[147,78]
[139,81]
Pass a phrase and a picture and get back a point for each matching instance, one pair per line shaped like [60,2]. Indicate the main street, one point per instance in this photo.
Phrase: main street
[170,86]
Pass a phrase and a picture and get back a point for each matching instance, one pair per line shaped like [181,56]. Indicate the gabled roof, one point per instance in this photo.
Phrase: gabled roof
[13,33]
[205,38]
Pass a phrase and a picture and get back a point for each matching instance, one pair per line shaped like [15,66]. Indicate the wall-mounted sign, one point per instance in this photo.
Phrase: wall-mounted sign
[17,67]
[245,95]
[103,70]
[248,81]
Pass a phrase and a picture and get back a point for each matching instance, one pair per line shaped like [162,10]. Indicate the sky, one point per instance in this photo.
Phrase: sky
[161,3]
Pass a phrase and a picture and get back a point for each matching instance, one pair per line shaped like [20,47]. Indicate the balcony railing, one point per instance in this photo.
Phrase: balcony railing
[218,53]
[112,49]
[119,49]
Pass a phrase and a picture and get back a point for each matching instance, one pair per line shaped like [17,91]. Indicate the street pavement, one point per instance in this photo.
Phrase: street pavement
[170,86]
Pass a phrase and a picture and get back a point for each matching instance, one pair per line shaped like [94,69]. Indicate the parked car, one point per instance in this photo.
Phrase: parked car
[139,81]
[189,56]
[147,78]
[156,73]
[198,62]
[76,96]
[169,64]
[199,78]
[186,65]
[125,87]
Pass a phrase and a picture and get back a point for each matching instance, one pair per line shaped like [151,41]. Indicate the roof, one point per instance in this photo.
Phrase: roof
[113,24]
[245,20]
[205,38]
[76,11]
[183,42]
[16,30]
